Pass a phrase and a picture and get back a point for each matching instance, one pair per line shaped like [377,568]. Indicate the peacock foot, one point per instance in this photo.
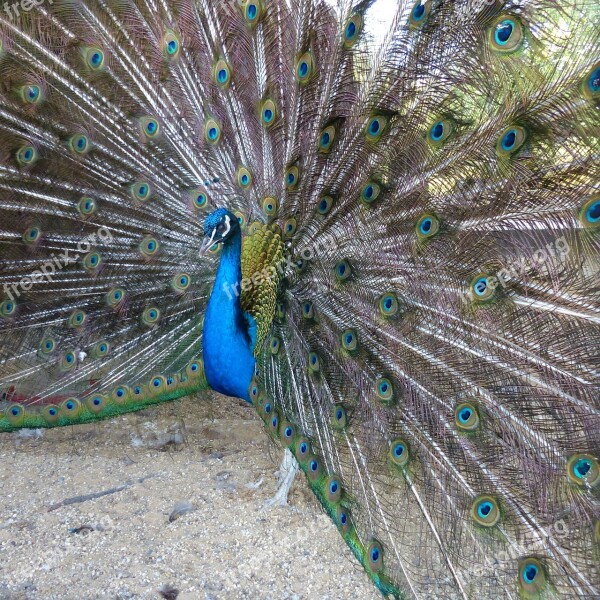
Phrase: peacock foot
[287,473]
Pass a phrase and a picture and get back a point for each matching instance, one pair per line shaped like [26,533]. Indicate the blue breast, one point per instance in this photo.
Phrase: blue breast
[227,348]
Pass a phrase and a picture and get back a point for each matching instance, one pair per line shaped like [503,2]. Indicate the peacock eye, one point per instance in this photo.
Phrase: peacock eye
[419,13]
[440,131]
[506,34]
[304,68]
[511,140]
[352,30]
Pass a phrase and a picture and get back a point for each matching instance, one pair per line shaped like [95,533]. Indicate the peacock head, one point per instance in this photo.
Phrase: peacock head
[219,226]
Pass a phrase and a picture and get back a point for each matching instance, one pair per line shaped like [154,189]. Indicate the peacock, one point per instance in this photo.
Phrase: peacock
[386,242]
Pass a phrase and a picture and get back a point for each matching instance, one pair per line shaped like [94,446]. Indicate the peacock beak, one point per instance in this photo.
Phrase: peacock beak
[208,243]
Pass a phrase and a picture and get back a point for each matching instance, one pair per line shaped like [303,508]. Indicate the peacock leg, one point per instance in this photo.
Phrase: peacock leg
[287,473]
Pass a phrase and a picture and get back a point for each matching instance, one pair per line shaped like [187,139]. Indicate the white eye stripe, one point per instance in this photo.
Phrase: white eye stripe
[228,224]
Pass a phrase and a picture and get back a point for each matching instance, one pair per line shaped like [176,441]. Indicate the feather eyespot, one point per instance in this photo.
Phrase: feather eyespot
[370,192]
[7,308]
[591,88]
[339,417]
[94,58]
[343,519]
[466,416]
[289,228]
[384,390]
[96,404]
[77,319]
[532,575]
[388,305]
[212,132]
[268,113]
[121,394]
[350,340]
[141,191]
[274,423]
[51,414]
[92,261]
[86,206]
[267,409]
[287,434]
[195,370]
[115,297]
[253,391]
[327,139]
[420,12]
[47,346]
[483,287]
[270,206]
[352,30]
[274,345]
[70,408]
[375,557]
[305,68]
[427,226]
[485,511]
[222,73]
[343,271]
[325,205]
[399,453]
[253,12]
[589,215]
[32,235]
[151,316]
[302,449]
[68,361]
[511,140]
[375,128]
[180,283]
[31,94]
[27,155]
[440,131]
[584,470]
[15,414]
[242,219]
[313,362]
[315,469]
[157,385]
[506,34]
[171,45]
[149,246]
[244,178]
[79,144]
[150,127]
[199,199]
[292,177]
[308,310]
[333,489]
[100,349]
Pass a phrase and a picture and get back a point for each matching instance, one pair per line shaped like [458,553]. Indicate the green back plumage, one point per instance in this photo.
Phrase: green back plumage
[432,363]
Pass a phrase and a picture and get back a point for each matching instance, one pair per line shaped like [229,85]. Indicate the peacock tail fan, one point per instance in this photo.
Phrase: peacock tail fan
[430,342]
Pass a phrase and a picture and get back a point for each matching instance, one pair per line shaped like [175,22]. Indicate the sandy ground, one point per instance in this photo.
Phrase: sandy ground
[128,544]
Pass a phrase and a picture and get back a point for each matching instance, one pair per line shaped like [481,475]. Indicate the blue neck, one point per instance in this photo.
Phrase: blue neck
[227,348]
